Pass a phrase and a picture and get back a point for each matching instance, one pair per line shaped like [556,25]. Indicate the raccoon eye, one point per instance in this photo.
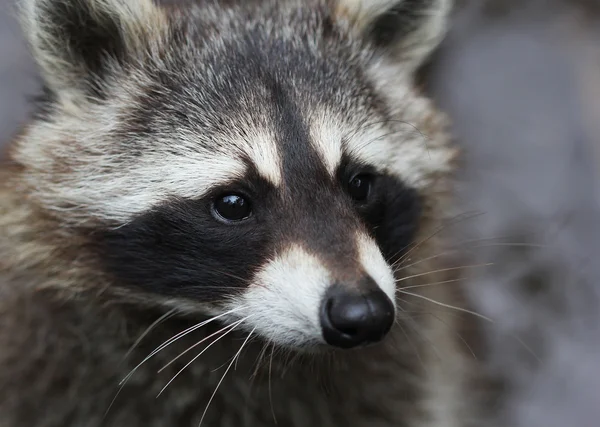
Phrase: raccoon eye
[359,187]
[232,207]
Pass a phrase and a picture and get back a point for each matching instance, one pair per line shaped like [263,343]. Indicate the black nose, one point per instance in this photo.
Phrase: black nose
[353,319]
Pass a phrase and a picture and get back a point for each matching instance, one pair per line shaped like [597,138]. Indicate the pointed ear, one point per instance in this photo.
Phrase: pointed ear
[409,30]
[79,43]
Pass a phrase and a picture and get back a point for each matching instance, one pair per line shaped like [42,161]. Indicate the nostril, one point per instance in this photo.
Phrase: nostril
[352,319]
[349,331]
[333,316]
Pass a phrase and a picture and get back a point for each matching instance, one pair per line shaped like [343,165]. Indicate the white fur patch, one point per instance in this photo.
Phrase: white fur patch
[402,149]
[263,152]
[285,299]
[119,187]
[375,265]
[326,137]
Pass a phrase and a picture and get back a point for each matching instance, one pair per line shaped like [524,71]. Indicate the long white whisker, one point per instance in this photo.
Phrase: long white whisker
[411,248]
[176,337]
[442,270]
[231,328]
[165,316]
[412,344]
[194,346]
[426,285]
[458,335]
[441,304]
[123,382]
[424,337]
[270,387]
[223,377]
[259,360]
[462,246]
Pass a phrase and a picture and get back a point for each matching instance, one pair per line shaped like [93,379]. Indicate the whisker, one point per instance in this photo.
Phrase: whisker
[259,360]
[458,247]
[442,270]
[238,359]
[223,377]
[254,376]
[426,285]
[123,382]
[412,344]
[407,302]
[194,346]
[441,304]
[415,246]
[455,247]
[526,347]
[270,387]
[230,328]
[177,337]
[422,335]
[515,245]
[161,319]
[457,334]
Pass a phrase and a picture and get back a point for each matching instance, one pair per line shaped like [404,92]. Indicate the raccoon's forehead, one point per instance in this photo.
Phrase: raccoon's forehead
[252,101]
[203,115]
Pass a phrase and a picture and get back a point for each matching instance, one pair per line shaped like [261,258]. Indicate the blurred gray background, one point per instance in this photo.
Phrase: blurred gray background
[521,81]
[17,74]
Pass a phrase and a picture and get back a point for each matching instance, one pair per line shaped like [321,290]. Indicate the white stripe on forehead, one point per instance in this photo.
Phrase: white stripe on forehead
[393,146]
[132,188]
[120,187]
[326,134]
[401,149]
[262,150]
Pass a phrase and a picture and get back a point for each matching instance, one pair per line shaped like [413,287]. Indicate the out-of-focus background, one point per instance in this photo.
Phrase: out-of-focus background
[521,81]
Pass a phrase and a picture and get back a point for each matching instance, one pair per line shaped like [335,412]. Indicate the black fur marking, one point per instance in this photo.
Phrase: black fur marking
[394,217]
[180,249]
[399,21]
[88,40]
[393,211]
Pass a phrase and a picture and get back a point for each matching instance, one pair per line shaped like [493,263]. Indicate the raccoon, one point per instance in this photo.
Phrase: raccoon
[224,213]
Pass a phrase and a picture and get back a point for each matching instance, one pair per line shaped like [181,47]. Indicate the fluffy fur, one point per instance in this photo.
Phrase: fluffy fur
[107,234]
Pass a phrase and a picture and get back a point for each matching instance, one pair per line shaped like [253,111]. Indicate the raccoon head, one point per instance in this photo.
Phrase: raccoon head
[265,161]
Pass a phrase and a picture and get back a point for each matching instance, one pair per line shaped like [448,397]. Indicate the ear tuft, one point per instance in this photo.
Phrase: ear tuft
[78,43]
[408,29]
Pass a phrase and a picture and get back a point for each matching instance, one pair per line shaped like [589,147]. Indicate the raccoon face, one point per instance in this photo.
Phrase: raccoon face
[265,160]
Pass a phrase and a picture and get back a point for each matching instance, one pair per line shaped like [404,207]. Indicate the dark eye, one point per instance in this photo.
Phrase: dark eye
[359,187]
[232,207]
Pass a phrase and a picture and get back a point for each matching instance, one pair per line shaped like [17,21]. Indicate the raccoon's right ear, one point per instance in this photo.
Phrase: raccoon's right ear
[406,30]
[79,43]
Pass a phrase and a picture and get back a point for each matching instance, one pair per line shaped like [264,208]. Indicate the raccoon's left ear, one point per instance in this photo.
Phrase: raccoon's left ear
[407,29]
[79,44]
